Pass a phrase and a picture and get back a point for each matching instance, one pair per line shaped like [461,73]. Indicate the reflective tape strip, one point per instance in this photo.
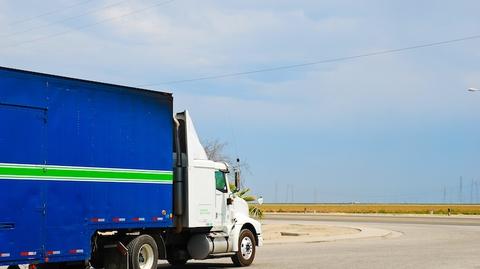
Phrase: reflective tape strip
[98,220]
[76,251]
[118,219]
[54,252]
[138,219]
[157,218]
[28,253]
[4,255]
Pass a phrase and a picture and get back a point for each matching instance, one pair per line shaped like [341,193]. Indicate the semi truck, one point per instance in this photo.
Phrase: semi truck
[96,175]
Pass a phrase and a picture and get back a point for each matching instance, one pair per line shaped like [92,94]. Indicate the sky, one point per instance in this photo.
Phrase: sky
[398,127]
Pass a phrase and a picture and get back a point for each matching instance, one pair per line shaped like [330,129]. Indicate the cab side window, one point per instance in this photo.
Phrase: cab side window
[220,181]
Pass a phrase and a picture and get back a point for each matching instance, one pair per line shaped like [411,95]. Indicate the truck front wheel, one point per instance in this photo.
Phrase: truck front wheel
[143,252]
[246,249]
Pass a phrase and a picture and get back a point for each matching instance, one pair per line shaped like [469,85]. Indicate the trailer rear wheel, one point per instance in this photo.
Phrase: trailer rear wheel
[143,252]
[246,249]
[13,267]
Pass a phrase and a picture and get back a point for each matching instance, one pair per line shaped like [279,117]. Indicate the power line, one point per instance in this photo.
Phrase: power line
[88,25]
[48,13]
[331,60]
[92,11]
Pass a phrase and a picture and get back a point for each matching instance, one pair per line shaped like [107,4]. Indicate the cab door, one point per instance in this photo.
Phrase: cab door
[222,214]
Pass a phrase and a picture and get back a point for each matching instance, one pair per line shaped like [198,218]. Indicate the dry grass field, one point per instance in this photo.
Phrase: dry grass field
[375,208]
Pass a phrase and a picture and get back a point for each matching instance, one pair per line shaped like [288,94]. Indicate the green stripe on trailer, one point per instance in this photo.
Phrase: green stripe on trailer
[46,172]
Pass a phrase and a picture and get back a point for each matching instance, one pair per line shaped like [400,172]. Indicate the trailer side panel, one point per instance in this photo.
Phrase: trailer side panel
[77,157]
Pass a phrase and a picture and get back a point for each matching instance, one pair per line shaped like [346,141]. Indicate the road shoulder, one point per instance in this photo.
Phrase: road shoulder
[284,233]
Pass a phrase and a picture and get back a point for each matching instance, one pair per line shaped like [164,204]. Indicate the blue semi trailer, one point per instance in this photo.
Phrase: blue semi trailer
[106,176]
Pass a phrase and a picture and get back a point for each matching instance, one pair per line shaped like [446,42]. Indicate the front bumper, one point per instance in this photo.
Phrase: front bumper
[260,240]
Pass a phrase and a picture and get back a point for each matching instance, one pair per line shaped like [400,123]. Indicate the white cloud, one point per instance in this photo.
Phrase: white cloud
[186,39]
[193,35]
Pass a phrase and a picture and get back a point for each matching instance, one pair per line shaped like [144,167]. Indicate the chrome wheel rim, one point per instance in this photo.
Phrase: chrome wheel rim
[246,248]
[145,257]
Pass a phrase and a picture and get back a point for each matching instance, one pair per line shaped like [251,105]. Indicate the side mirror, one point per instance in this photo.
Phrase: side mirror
[237,179]
[237,175]
[260,200]
[229,201]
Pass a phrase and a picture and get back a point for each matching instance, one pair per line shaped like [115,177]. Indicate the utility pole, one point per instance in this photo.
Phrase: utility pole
[276,192]
[444,194]
[293,194]
[287,193]
[460,190]
[471,192]
[477,192]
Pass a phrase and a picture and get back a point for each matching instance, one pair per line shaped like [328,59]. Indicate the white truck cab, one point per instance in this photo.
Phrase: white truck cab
[210,218]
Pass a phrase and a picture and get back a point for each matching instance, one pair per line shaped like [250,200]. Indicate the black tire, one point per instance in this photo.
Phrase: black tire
[245,259]
[176,262]
[139,249]
[13,267]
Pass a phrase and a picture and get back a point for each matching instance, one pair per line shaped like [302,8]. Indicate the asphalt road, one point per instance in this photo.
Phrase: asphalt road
[432,242]
[395,219]
[426,242]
